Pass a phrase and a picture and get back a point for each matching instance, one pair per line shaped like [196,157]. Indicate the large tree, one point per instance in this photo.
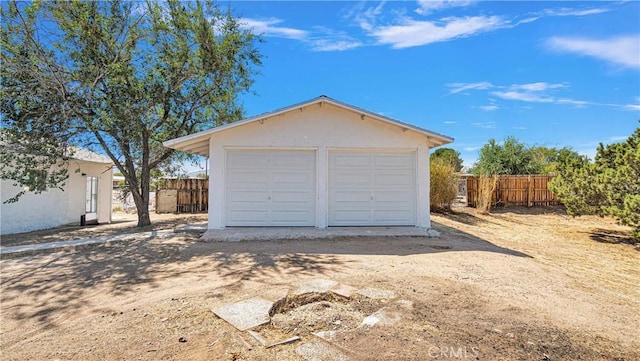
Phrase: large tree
[609,186]
[448,155]
[119,77]
[514,157]
[510,157]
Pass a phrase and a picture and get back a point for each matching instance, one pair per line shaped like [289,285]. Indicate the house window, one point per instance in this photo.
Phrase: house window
[92,195]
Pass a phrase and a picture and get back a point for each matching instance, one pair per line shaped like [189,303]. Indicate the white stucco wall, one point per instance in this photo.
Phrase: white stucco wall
[319,127]
[56,207]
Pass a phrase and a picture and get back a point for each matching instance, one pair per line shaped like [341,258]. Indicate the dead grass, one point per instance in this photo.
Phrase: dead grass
[517,284]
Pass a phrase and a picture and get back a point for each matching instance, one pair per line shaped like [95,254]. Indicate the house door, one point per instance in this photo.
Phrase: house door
[91,200]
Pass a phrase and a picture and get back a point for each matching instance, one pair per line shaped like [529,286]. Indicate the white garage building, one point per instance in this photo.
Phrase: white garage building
[320,163]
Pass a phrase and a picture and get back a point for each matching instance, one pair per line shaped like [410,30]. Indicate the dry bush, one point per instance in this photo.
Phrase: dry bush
[444,184]
[486,186]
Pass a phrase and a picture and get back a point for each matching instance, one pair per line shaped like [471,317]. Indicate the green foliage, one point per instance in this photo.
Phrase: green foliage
[551,159]
[451,156]
[444,183]
[513,157]
[120,76]
[610,186]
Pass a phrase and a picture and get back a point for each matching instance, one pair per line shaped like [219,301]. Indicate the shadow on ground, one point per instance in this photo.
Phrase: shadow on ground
[613,237]
[54,284]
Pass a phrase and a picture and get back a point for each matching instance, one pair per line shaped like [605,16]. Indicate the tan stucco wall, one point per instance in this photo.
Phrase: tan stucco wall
[56,207]
[320,127]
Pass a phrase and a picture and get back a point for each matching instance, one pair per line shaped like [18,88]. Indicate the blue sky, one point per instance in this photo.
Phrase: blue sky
[549,73]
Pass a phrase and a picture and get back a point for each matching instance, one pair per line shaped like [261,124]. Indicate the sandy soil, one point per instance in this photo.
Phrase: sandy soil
[514,285]
[122,223]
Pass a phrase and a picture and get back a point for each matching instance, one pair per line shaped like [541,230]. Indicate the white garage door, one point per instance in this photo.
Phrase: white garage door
[270,188]
[377,189]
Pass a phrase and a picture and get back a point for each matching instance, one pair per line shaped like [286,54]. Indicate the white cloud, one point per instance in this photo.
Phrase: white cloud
[415,33]
[334,45]
[618,138]
[633,107]
[367,19]
[460,87]
[268,28]
[537,92]
[535,16]
[574,12]
[522,96]
[450,122]
[621,50]
[321,39]
[520,128]
[485,125]
[427,6]
[539,86]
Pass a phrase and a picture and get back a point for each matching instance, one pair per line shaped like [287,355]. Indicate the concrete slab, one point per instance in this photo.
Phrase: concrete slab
[318,285]
[382,317]
[274,342]
[375,293]
[345,291]
[238,234]
[245,314]
[195,227]
[40,247]
[329,336]
[318,351]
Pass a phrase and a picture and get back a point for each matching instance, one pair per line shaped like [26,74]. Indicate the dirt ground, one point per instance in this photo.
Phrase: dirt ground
[519,284]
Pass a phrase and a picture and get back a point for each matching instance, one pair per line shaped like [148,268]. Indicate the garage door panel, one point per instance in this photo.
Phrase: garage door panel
[394,196]
[290,218]
[247,180]
[392,217]
[248,196]
[278,191]
[350,218]
[287,180]
[351,178]
[394,179]
[251,160]
[302,198]
[342,197]
[248,218]
[297,161]
[381,191]
[393,161]
[351,160]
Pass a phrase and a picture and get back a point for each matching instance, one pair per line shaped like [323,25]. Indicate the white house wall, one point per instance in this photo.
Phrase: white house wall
[56,207]
[321,128]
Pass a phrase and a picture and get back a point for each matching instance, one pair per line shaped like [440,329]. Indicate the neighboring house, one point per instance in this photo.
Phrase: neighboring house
[320,163]
[86,197]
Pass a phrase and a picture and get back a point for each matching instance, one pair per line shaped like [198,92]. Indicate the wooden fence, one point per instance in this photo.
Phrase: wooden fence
[516,190]
[189,195]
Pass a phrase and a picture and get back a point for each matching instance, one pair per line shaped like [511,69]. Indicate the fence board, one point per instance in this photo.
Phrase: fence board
[516,190]
[191,194]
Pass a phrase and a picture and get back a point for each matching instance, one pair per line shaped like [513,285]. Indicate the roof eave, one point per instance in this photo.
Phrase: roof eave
[196,143]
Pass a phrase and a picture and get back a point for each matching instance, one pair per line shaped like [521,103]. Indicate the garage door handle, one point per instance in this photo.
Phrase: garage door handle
[371,197]
[269,198]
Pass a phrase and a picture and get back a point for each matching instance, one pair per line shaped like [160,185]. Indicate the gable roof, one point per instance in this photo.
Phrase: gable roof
[198,143]
[89,156]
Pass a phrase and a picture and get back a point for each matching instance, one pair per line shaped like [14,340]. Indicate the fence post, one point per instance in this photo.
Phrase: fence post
[529,191]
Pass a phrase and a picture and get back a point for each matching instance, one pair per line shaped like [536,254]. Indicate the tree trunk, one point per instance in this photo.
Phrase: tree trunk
[142,206]
[140,192]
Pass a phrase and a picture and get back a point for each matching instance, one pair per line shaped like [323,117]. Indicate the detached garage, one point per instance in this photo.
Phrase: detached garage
[320,163]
